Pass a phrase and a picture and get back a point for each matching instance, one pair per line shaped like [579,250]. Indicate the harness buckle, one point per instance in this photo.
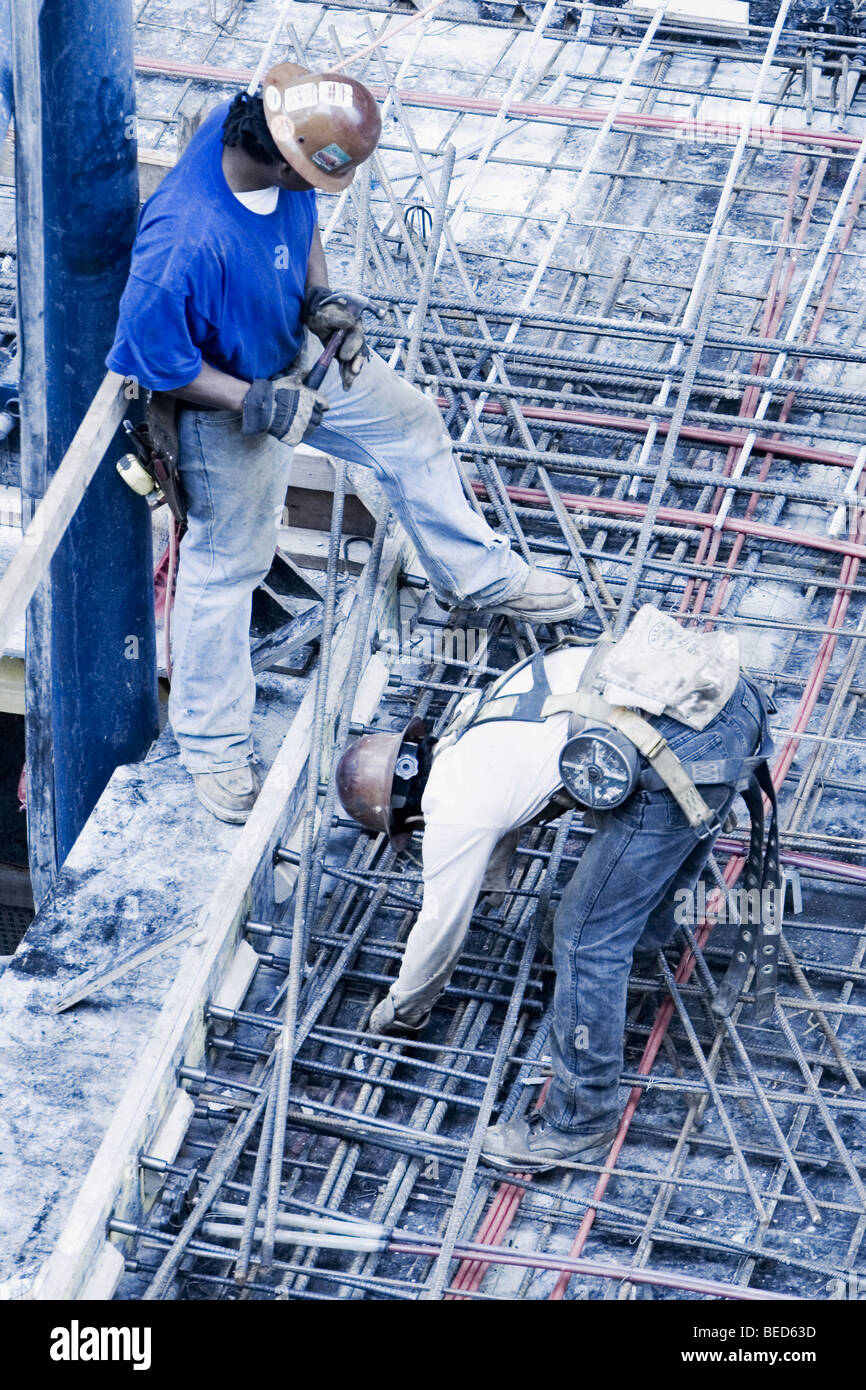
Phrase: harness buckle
[657,747]
[706,829]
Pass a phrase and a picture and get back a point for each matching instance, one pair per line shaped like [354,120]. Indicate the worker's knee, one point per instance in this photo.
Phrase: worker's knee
[427,416]
[418,411]
[247,571]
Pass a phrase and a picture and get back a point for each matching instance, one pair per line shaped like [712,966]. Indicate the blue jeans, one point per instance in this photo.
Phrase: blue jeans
[236,485]
[621,896]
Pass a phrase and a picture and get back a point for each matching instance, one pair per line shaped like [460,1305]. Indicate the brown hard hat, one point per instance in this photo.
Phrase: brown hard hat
[323,123]
[365,779]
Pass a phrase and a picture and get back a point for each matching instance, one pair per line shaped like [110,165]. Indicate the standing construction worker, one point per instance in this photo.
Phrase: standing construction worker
[226,308]
[661,786]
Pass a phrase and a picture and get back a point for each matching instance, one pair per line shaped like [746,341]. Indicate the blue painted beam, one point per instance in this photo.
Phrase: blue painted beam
[92,635]
[6,99]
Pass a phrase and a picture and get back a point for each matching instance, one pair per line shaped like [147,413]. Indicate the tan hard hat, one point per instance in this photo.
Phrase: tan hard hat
[323,123]
[365,779]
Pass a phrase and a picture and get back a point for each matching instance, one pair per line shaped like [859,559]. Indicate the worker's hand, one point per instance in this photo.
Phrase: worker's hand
[327,311]
[285,408]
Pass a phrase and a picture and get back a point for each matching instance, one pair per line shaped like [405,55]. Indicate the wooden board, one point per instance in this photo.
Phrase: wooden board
[11,685]
[60,503]
[730,16]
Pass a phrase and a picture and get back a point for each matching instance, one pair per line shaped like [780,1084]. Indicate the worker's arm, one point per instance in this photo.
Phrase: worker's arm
[455,860]
[287,412]
[215,388]
[317,266]
[328,311]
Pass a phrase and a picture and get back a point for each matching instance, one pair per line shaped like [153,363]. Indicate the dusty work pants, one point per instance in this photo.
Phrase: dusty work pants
[622,896]
[236,486]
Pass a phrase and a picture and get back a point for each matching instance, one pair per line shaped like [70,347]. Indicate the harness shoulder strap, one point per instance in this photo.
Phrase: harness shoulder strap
[528,705]
[587,677]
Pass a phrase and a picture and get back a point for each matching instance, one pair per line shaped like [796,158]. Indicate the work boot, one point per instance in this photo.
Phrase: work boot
[230,796]
[386,1019]
[544,598]
[533,1145]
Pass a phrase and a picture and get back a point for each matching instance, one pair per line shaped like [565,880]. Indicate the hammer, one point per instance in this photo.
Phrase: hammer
[355,304]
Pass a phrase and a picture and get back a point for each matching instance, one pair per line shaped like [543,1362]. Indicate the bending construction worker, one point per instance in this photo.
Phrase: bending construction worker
[661,784]
[226,308]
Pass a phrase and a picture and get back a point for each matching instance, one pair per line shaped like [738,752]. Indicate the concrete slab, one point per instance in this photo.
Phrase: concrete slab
[143,866]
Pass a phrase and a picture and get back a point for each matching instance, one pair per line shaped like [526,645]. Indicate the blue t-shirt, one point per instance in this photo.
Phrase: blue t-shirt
[210,280]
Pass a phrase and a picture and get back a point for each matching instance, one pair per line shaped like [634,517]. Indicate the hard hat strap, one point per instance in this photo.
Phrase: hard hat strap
[406,795]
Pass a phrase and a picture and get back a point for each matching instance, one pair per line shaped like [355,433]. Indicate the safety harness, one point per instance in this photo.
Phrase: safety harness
[600,765]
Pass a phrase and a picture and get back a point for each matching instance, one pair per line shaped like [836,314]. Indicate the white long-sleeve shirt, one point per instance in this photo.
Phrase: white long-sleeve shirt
[493,779]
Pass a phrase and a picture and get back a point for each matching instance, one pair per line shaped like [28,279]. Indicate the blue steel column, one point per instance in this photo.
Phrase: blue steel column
[6,99]
[92,637]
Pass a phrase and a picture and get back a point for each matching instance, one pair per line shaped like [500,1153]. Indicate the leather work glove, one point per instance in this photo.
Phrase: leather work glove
[327,311]
[285,408]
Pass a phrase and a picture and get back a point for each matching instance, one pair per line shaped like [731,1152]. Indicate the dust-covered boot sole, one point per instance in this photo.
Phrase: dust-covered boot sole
[385,1019]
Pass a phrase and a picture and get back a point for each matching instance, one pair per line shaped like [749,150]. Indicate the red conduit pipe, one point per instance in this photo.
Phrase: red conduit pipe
[531,110]
[788,403]
[609,506]
[492,1231]
[818,863]
[848,575]
[733,438]
[774,307]
[780,285]
[496,1223]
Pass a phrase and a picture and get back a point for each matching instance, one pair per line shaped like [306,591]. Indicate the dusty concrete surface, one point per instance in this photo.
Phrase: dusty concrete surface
[142,868]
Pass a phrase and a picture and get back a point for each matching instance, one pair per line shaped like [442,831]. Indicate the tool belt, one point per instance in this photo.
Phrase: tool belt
[156,446]
[627,737]
[162,414]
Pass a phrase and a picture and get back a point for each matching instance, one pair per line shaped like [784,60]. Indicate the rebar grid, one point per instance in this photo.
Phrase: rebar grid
[661,447]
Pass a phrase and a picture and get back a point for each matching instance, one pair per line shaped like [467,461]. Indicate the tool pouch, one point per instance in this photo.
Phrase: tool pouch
[162,416]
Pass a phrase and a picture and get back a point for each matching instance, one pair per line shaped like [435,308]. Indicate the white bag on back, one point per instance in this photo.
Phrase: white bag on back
[660,667]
